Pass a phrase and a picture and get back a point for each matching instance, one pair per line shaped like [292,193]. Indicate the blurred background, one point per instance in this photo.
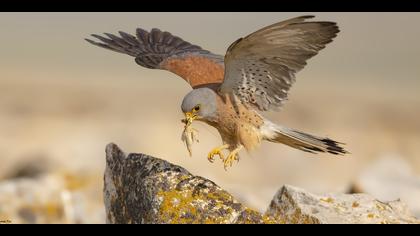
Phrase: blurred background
[62,100]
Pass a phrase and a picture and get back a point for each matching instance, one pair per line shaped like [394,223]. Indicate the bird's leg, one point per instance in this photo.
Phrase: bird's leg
[217,151]
[233,155]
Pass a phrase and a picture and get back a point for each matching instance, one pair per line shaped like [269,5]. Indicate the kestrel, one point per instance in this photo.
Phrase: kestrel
[229,92]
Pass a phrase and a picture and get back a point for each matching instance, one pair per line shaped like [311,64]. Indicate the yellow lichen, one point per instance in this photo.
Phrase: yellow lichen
[380,206]
[221,196]
[74,182]
[371,215]
[49,211]
[210,221]
[271,220]
[297,217]
[178,207]
[173,205]
[327,200]
[53,209]
[247,220]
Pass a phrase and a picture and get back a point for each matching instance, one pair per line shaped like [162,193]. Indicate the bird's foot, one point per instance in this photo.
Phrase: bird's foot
[216,151]
[233,156]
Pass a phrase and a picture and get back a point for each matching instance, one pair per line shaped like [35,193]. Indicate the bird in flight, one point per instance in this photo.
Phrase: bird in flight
[229,92]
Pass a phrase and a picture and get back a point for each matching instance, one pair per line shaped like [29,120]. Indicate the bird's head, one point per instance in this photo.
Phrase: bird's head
[199,104]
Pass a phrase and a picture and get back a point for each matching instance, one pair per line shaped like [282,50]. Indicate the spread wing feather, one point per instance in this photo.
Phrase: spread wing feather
[162,50]
[261,68]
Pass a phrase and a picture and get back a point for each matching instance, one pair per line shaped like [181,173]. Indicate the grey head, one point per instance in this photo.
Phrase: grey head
[201,103]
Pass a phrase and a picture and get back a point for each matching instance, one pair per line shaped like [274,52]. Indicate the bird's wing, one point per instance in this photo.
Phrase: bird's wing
[162,50]
[260,68]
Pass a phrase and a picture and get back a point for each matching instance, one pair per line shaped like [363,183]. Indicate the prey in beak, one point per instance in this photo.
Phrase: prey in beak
[189,118]
[192,115]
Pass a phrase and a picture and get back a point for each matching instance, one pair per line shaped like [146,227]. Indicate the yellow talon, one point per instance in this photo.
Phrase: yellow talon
[231,157]
[216,151]
[211,155]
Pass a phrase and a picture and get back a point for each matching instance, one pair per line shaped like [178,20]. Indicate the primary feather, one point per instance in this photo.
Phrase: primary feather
[261,68]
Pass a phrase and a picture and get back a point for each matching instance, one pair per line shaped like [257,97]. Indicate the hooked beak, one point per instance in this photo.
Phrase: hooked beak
[189,118]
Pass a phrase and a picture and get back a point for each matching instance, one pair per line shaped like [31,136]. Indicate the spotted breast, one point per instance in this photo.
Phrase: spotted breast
[240,124]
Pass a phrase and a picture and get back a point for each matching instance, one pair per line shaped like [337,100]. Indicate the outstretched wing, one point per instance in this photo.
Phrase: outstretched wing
[162,50]
[260,68]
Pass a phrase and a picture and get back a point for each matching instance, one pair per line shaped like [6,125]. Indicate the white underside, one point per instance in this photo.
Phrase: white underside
[269,130]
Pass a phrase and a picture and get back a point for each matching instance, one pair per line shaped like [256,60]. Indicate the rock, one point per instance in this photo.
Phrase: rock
[48,198]
[297,206]
[390,178]
[32,168]
[32,200]
[142,189]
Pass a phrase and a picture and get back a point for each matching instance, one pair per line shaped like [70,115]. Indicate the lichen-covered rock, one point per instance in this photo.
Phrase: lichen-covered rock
[295,205]
[48,198]
[388,178]
[32,201]
[143,189]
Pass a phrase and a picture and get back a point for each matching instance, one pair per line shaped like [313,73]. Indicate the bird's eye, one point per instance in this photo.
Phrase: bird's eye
[196,108]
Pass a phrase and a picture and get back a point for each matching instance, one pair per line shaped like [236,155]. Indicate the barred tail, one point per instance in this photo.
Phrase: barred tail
[302,141]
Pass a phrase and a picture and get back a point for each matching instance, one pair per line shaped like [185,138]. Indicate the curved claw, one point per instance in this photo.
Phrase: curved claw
[231,158]
[216,151]
[213,153]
